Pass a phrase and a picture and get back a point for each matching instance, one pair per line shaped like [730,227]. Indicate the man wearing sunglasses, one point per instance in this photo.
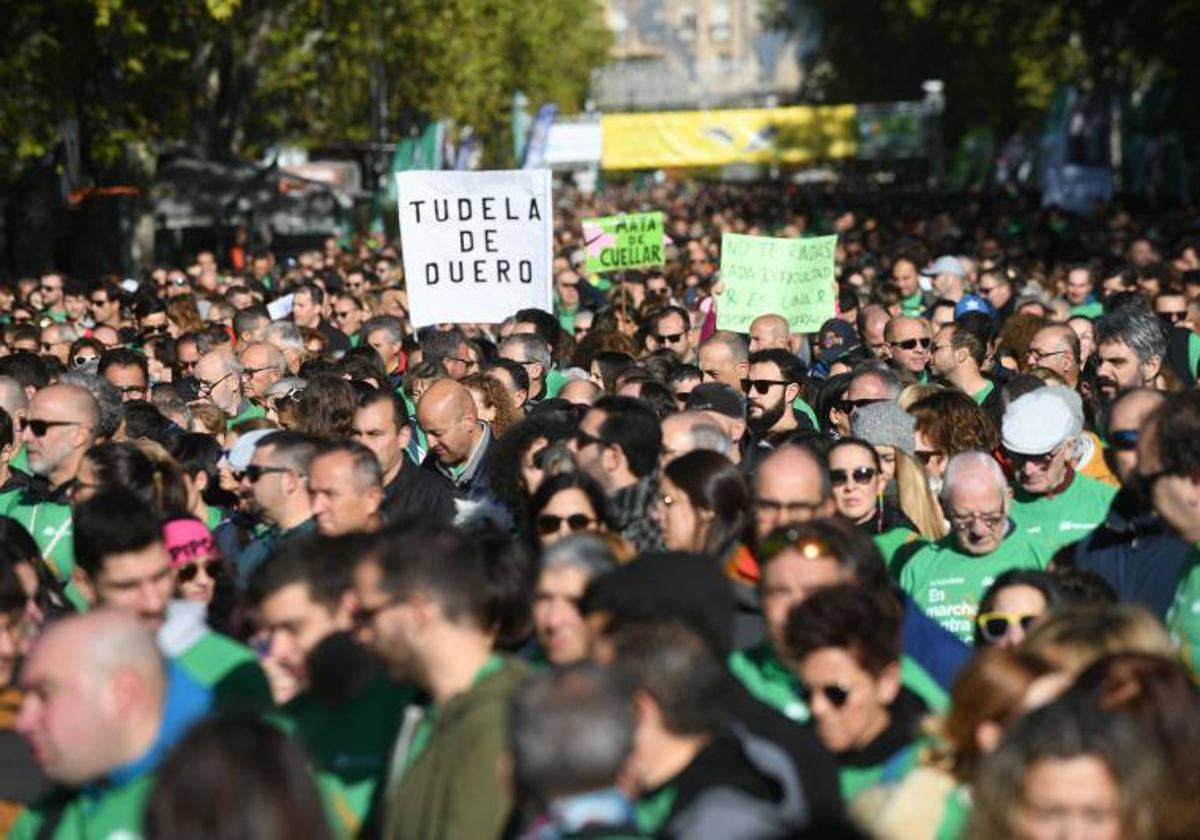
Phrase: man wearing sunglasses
[276,485]
[908,347]
[1053,504]
[947,579]
[671,329]
[124,565]
[1134,550]
[127,371]
[771,388]
[60,425]
[346,716]
[106,306]
[52,288]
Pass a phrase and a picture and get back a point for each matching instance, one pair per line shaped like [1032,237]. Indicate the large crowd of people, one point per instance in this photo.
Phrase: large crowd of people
[611,571]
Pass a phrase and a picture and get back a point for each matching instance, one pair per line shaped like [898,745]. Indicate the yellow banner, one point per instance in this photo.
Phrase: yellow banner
[668,139]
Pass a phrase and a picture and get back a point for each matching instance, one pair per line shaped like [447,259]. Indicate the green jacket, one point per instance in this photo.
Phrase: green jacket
[48,520]
[349,741]
[948,583]
[1183,618]
[1063,518]
[452,788]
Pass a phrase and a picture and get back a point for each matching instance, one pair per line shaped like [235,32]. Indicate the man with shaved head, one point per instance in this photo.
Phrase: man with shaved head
[908,341]
[791,486]
[59,427]
[459,442]
[724,357]
[100,711]
[769,332]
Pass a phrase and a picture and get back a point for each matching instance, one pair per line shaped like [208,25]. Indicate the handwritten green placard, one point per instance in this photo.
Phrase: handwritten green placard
[631,240]
[789,277]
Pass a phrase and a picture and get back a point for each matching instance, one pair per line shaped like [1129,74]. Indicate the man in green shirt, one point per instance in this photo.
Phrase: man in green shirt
[423,606]
[59,427]
[100,712]
[125,565]
[1168,469]
[1053,505]
[1080,293]
[346,712]
[956,356]
[218,378]
[947,579]
[907,281]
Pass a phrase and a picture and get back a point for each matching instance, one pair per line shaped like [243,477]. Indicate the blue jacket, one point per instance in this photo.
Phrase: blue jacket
[934,648]
[1137,553]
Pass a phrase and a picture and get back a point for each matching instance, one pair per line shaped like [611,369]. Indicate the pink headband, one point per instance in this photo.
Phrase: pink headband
[188,541]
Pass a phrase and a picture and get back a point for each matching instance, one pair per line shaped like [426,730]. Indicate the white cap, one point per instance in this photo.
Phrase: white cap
[243,448]
[1036,423]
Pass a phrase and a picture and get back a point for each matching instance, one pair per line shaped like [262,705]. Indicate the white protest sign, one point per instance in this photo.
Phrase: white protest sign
[280,308]
[477,245]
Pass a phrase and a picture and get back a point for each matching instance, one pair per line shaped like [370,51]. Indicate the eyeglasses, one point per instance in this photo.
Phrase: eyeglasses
[254,472]
[912,343]
[40,427]
[993,626]
[1171,317]
[548,523]
[156,329]
[860,475]
[99,302]
[250,373]
[206,388]
[670,338]
[292,396]
[365,615]
[583,439]
[1124,440]
[761,386]
[188,572]
[836,695]
[963,521]
[1039,355]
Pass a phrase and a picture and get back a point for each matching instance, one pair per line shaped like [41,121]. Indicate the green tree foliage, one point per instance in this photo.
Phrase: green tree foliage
[228,78]
[1001,60]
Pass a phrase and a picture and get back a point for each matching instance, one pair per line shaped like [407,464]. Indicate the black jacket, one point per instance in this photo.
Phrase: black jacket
[1136,552]
[417,493]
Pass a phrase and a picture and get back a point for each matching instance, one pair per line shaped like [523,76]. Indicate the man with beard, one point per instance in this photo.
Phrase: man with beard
[772,387]
[1131,346]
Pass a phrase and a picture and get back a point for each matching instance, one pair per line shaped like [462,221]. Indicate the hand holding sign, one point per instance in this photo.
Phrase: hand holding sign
[477,245]
[789,277]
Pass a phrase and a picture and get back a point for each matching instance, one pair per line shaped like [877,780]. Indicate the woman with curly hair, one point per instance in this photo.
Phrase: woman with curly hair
[493,403]
[947,423]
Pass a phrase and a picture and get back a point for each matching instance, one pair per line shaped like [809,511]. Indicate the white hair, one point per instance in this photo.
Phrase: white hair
[969,462]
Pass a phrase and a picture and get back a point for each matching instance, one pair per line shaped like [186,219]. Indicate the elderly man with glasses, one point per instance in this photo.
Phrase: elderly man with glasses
[1052,504]
[947,579]
[218,380]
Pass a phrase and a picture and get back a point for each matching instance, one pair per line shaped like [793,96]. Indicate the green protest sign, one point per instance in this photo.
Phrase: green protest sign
[789,277]
[631,240]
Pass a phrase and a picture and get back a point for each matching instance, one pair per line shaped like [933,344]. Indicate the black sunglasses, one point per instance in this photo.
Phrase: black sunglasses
[1173,317]
[761,386]
[365,615]
[911,343]
[861,475]
[213,568]
[1124,440]
[548,523]
[849,406]
[40,427]
[583,439]
[835,694]
[254,472]
[669,338]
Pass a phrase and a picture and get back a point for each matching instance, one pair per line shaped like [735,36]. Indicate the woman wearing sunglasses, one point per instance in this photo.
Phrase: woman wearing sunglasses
[1014,604]
[195,559]
[567,504]
[846,642]
[857,479]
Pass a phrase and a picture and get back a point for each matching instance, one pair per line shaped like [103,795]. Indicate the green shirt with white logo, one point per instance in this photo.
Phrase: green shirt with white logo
[1053,521]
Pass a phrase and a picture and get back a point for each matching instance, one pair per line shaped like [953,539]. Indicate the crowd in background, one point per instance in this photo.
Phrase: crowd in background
[611,571]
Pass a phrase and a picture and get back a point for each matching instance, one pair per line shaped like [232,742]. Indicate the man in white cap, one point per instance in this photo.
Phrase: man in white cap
[1052,504]
[948,578]
[949,278]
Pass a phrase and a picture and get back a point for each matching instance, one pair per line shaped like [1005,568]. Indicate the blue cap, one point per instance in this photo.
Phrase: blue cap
[972,303]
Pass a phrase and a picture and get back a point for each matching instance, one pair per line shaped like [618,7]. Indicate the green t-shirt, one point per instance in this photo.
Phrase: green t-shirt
[231,670]
[350,743]
[1055,521]
[948,583]
[914,304]
[762,673]
[892,541]
[1092,309]
[801,405]
[984,392]
[554,382]
[1183,618]
[1193,351]
[252,411]
[111,813]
